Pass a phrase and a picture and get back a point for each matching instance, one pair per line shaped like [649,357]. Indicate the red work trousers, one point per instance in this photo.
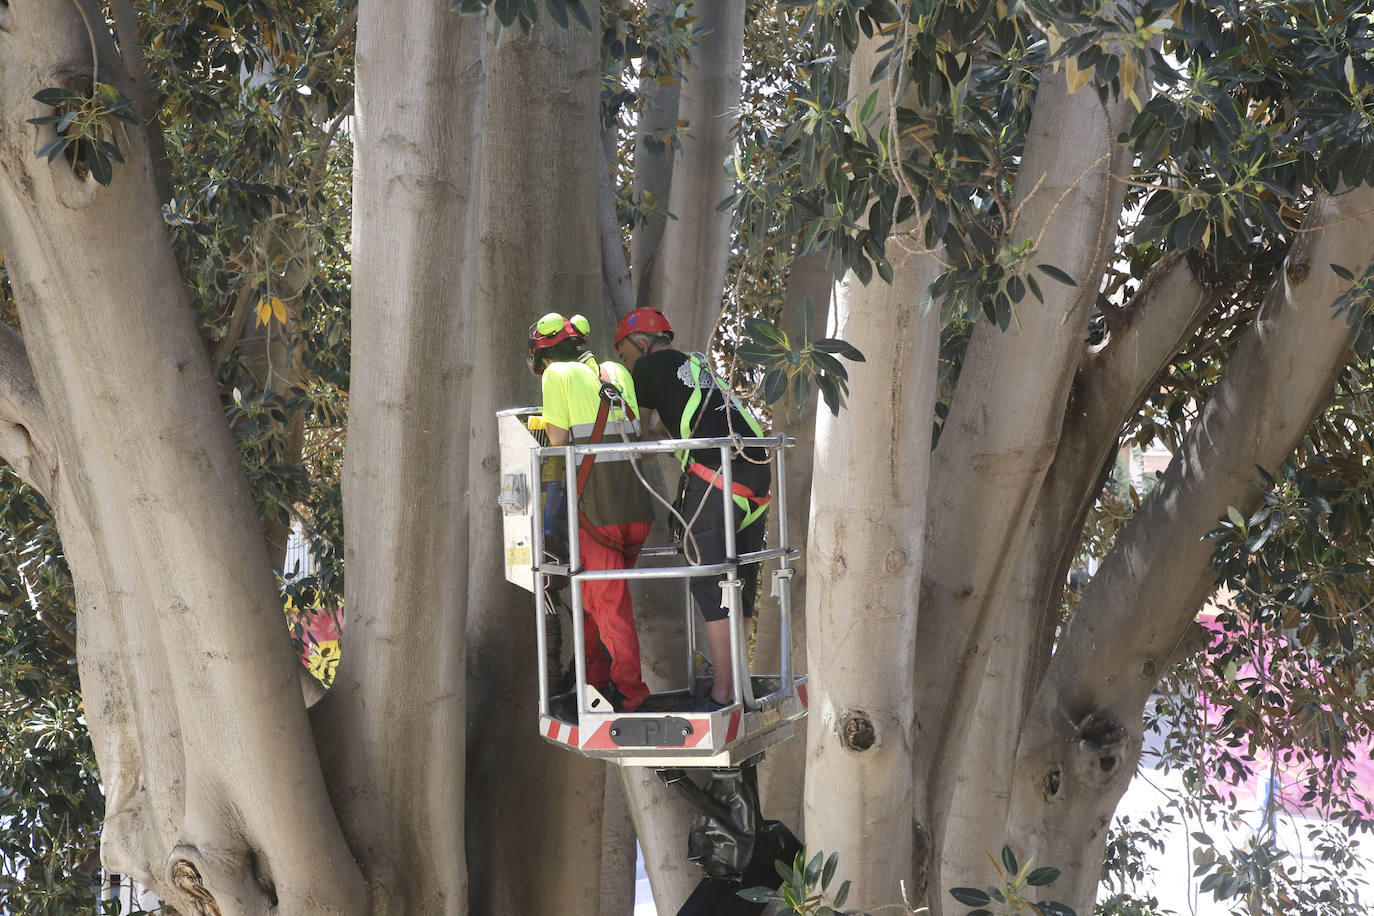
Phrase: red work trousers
[608,619]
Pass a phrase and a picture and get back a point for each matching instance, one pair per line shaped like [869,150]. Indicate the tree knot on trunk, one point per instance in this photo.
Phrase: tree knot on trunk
[1298,269]
[185,877]
[1054,781]
[1103,738]
[857,732]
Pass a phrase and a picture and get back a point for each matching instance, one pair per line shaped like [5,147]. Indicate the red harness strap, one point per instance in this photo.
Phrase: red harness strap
[715,479]
[584,470]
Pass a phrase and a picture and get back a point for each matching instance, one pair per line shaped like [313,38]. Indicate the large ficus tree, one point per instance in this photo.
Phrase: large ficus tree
[1049,226]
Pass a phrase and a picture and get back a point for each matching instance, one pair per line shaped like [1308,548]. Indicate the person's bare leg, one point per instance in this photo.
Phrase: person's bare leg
[718,638]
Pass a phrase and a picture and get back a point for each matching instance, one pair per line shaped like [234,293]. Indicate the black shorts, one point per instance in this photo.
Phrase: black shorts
[708,547]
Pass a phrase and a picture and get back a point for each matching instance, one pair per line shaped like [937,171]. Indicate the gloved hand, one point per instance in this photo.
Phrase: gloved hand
[555,509]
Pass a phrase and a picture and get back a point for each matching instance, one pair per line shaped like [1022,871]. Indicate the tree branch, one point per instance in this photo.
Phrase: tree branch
[690,267]
[26,439]
[615,272]
[1111,385]
[1150,586]
[1006,418]
[653,177]
[145,96]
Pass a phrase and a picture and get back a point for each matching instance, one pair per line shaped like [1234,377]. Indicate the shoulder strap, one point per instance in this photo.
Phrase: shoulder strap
[694,402]
[609,395]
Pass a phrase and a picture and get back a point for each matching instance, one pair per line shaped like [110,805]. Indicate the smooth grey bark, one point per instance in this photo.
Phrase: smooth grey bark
[865,554]
[533,840]
[1082,737]
[689,277]
[653,176]
[1111,384]
[1001,435]
[396,768]
[150,480]
[617,851]
[782,774]
[614,268]
[662,819]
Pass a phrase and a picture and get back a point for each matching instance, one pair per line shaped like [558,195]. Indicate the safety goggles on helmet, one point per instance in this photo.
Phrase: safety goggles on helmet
[549,331]
[644,320]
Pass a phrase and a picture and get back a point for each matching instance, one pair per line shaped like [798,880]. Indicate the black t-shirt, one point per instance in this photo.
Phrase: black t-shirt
[663,382]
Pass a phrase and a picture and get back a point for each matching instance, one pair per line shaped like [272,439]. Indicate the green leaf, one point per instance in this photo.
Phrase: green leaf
[1239,521]
[55,96]
[764,332]
[830,393]
[580,14]
[99,164]
[1345,273]
[1054,273]
[774,386]
[1009,860]
[970,896]
[827,363]
[757,354]
[813,869]
[759,894]
[1189,229]
[869,104]
[839,348]
[842,894]
[53,148]
[927,300]
[1043,876]
[832,862]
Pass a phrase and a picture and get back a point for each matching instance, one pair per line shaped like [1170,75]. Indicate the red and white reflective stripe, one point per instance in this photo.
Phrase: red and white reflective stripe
[558,731]
[733,730]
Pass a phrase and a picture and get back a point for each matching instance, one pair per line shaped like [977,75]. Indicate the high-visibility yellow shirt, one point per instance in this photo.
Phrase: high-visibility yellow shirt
[572,400]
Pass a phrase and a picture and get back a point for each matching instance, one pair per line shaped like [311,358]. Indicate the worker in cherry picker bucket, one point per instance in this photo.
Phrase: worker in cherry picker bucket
[614,509]
[693,403]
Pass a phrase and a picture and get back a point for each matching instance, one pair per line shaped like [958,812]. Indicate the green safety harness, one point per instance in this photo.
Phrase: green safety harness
[749,502]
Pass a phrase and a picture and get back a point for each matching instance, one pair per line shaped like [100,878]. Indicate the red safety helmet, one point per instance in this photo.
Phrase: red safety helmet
[550,331]
[643,320]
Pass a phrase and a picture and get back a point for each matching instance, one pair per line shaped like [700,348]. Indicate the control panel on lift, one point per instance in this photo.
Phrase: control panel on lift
[574,714]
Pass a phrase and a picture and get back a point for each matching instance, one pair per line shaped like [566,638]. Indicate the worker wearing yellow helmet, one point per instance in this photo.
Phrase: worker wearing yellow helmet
[614,509]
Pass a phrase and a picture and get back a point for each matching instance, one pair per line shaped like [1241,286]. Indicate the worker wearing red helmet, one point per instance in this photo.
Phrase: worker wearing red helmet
[614,509]
[690,404]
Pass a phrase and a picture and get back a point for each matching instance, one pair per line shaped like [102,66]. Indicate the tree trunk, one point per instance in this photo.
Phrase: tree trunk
[695,250]
[617,851]
[534,838]
[150,481]
[653,176]
[865,552]
[397,776]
